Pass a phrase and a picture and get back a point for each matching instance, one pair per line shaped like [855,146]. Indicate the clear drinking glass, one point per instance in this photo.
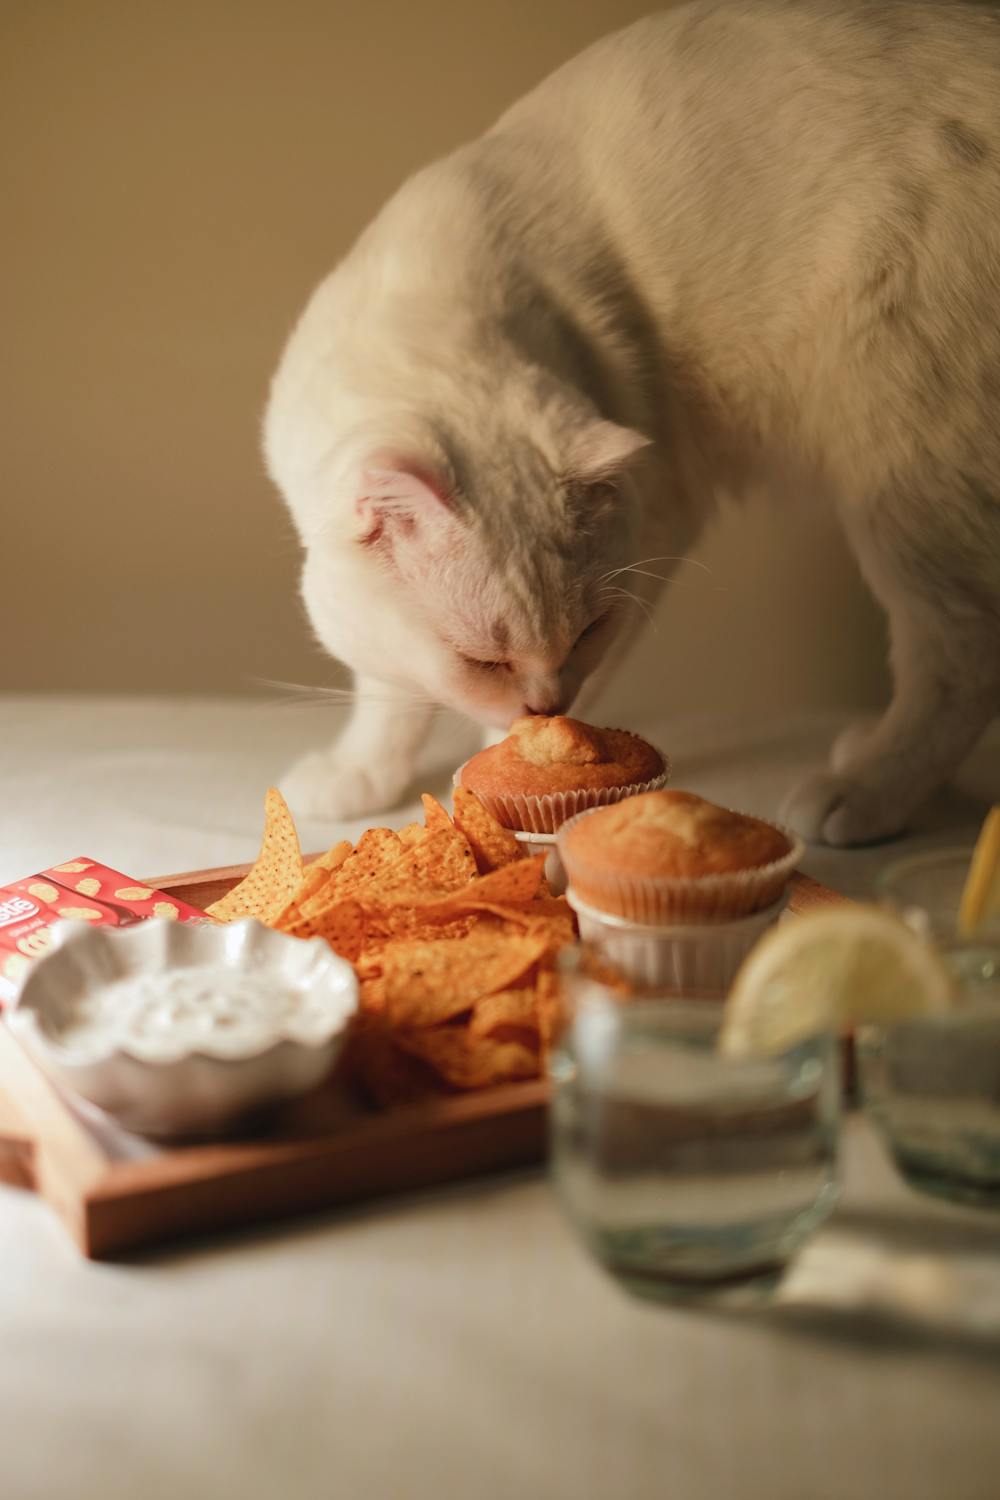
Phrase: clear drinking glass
[926,891]
[687,1173]
[932,1086]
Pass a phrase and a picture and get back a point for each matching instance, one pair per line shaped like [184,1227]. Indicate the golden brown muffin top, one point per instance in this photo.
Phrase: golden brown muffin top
[673,835]
[542,755]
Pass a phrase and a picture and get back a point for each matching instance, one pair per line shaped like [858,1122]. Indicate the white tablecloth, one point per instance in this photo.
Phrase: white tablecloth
[460,1343]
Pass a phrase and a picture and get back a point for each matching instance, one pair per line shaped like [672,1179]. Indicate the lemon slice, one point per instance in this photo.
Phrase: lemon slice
[830,968]
[981,892]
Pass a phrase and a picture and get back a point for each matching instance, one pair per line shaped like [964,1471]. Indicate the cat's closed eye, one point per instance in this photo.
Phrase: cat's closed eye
[477,664]
[486,666]
[590,630]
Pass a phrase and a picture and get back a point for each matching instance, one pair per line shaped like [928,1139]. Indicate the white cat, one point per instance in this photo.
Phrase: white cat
[731,247]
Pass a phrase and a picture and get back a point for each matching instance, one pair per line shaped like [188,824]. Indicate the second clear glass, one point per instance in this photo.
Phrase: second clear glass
[932,1085]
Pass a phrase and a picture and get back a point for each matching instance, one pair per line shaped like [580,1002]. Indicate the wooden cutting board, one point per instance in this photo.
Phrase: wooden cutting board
[115,1192]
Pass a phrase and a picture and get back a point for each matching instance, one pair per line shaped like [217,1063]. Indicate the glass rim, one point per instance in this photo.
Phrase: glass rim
[924,859]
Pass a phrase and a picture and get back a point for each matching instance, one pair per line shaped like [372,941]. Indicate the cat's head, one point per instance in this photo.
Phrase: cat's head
[474,569]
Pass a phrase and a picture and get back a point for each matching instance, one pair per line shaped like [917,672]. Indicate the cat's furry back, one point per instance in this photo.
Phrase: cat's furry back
[763,238]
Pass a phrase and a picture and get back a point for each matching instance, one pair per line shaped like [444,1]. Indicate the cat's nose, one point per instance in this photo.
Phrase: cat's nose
[553,705]
[545,692]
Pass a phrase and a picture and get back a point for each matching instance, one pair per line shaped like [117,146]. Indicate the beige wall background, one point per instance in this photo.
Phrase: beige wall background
[175,178]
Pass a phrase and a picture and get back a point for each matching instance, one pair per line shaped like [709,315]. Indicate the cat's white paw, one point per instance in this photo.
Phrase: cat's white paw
[491,737]
[329,786]
[853,745]
[829,809]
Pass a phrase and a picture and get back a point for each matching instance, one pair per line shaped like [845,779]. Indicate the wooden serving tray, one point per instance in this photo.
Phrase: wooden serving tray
[115,1192]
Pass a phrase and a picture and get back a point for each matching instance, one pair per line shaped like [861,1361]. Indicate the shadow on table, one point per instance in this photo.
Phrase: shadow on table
[919,1230]
[915,1281]
[475,1194]
[875,1282]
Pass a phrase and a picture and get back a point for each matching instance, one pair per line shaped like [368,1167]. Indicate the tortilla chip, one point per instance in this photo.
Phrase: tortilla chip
[333,858]
[493,845]
[514,883]
[388,924]
[368,966]
[276,874]
[512,918]
[441,863]
[468,1062]
[435,816]
[429,982]
[290,918]
[377,849]
[507,1008]
[387,1074]
[412,834]
[343,926]
[518,922]
[373,995]
[558,928]
[553,906]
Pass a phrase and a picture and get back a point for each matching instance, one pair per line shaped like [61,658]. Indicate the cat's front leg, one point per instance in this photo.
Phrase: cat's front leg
[369,767]
[946,663]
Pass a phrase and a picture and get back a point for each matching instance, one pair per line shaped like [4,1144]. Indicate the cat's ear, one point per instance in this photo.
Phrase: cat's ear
[398,496]
[602,450]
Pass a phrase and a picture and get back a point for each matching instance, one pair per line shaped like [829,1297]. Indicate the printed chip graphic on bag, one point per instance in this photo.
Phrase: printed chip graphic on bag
[30,908]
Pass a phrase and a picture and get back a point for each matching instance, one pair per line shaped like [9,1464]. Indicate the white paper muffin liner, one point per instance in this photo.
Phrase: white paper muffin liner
[703,899]
[693,959]
[545,843]
[547,814]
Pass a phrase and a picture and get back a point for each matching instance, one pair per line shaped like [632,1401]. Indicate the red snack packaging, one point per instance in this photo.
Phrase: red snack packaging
[80,890]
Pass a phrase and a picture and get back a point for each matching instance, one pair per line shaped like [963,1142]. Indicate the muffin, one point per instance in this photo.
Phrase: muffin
[549,769]
[674,890]
[670,856]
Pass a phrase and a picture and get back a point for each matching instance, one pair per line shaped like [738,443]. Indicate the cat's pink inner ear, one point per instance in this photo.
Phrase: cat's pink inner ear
[603,449]
[399,493]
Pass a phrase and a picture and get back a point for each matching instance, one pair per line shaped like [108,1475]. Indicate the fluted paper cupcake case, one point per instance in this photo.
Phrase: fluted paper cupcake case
[547,814]
[691,959]
[703,899]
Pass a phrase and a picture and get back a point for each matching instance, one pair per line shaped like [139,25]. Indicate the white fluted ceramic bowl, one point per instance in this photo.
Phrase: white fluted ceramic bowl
[167,1088]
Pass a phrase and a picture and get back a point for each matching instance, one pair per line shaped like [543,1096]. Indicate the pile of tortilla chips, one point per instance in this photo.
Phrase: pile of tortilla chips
[452,932]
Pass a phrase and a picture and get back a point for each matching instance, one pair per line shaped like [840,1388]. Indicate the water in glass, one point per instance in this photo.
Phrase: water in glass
[683,1170]
[933,1086]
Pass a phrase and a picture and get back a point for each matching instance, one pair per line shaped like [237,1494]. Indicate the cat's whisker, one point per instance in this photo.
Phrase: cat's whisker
[640,563]
[620,595]
[394,713]
[673,583]
[645,573]
[298,693]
